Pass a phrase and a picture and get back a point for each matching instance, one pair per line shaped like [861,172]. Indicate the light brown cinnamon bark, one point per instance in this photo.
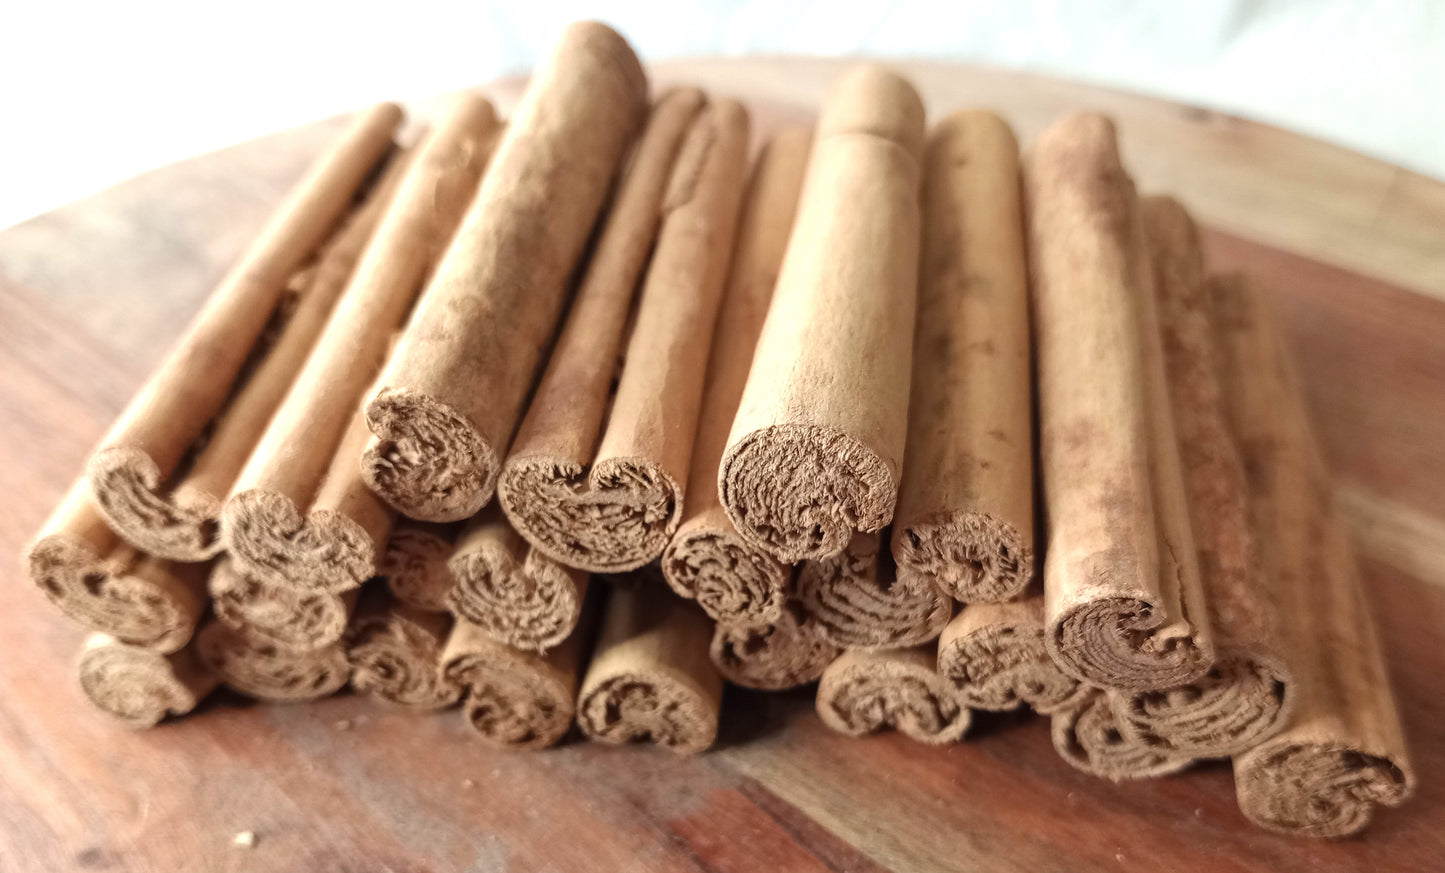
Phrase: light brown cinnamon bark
[138,685]
[622,511]
[859,599]
[158,429]
[512,591]
[276,614]
[965,510]
[866,692]
[650,678]
[285,522]
[1087,736]
[816,448]
[395,653]
[451,395]
[1342,753]
[107,586]
[1121,585]
[264,671]
[415,563]
[732,579]
[784,653]
[994,655]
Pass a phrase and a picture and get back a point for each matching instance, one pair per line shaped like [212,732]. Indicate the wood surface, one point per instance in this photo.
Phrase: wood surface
[91,296]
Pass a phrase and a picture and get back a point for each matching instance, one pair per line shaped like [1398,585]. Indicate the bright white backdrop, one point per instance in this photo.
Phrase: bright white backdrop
[94,92]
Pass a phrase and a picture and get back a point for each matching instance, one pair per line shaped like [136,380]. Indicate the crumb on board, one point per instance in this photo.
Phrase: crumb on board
[245,839]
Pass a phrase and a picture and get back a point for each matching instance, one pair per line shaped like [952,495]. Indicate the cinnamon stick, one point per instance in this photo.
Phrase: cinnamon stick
[994,655]
[787,652]
[138,685]
[965,510]
[512,591]
[624,511]
[859,599]
[264,671]
[276,614]
[415,564]
[1121,585]
[451,395]
[865,692]
[270,523]
[650,678]
[1342,753]
[157,430]
[1086,735]
[817,444]
[395,653]
[733,580]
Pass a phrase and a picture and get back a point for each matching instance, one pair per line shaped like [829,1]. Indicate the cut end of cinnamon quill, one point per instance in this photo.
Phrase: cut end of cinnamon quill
[267,672]
[860,601]
[514,700]
[427,460]
[182,526]
[270,540]
[867,692]
[734,581]
[973,556]
[1117,642]
[532,604]
[1316,789]
[1087,736]
[652,706]
[276,614]
[137,685]
[395,656]
[415,567]
[784,653]
[994,655]
[802,491]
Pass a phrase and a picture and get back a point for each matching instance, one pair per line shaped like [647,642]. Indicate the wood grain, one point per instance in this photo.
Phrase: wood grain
[92,294]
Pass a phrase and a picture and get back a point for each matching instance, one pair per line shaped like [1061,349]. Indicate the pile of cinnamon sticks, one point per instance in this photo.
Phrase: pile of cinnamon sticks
[790,414]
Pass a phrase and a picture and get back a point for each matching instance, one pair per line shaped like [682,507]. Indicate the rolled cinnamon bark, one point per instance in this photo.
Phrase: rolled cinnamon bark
[415,564]
[1245,697]
[450,396]
[965,510]
[815,450]
[1121,585]
[275,524]
[785,653]
[264,671]
[1342,752]
[624,511]
[866,692]
[514,699]
[395,653]
[732,579]
[1087,736]
[276,614]
[512,591]
[162,423]
[106,586]
[141,686]
[650,678]
[994,655]
[859,599]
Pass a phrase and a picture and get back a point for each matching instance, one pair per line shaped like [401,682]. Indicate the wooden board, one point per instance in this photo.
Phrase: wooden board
[92,294]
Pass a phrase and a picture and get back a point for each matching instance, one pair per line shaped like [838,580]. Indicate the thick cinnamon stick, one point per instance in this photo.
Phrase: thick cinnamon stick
[277,614]
[965,510]
[1121,584]
[650,678]
[264,671]
[512,591]
[1086,735]
[271,523]
[859,599]
[395,653]
[451,395]
[816,448]
[1342,753]
[994,655]
[415,564]
[141,686]
[785,653]
[732,579]
[865,692]
[623,512]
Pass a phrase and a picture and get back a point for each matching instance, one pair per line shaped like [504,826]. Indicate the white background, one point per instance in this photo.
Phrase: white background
[92,92]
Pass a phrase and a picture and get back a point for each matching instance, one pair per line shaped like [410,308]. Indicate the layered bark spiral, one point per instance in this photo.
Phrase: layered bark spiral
[866,692]
[859,599]
[138,685]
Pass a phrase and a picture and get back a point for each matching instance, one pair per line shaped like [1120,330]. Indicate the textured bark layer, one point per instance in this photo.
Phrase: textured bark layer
[415,564]
[267,672]
[395,653]
[141,686]
[1087,736]
[784,653]
[278,615]
[866,692]
[859,599]
[994,654]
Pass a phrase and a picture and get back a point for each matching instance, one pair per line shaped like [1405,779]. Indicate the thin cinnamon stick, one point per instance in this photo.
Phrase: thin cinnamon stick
[415,564]
[785,653]
[451,395]
[270,523]
[141,686]
[276,614]
[994,655]
[624,511]
[965,510]
[395,653]
[1122,599]
[650,678]
[264,671]
[151,438]
[1087,736]
[859,599]
[1342,753]
[866,692]
[733,580]
[816,447]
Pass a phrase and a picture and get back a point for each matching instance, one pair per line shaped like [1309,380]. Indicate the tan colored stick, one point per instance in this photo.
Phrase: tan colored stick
[1342,753]
[452,393]
[785,653]
[106,586]
[816,449]
[512,591]
[276,614]
[266,523]
[733,580]
[966,509]
[867,692]
[141,686]
[1121,585]
[263,671]
[151,438]
[994,655]
[624,511]
[395,653]
[1087,736]
[415,564]
[514,699]
[650,678]
[859,599]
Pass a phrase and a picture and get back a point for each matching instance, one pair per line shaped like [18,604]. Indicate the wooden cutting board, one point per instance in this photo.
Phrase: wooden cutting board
[91,296]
